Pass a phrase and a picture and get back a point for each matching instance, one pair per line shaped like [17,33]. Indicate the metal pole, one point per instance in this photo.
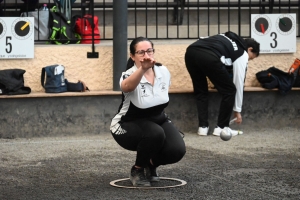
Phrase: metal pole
[119,40]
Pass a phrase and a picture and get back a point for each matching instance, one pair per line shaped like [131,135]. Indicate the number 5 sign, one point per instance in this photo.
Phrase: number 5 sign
[276,33]
[16,37]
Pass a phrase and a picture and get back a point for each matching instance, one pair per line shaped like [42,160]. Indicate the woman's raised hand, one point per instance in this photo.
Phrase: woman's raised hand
[147,63]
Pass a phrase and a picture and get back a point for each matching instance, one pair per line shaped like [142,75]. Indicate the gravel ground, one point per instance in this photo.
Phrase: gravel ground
[256,165]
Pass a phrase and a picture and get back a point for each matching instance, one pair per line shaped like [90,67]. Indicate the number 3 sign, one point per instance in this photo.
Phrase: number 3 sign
[276,33]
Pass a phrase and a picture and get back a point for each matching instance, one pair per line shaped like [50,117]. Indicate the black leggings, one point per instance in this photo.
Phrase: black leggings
[162,143]
[202,63]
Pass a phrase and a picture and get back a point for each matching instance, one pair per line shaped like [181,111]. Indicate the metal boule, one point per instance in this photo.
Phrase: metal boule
[225,135]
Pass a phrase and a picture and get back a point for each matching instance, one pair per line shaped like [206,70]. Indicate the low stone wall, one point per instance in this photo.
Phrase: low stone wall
[98,73]
[90,115]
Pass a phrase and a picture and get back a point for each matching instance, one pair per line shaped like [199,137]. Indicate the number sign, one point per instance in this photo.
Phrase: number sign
[16,37]
[276,33]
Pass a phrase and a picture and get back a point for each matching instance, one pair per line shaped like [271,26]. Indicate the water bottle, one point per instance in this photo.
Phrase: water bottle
[44,7]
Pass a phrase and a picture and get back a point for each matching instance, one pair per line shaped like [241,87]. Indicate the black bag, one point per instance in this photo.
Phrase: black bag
[275,78]
[12,82]
[62,30]
[54,82]
[76,87]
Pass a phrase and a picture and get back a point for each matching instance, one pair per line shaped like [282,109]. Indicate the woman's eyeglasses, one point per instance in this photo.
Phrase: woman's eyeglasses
[141,53]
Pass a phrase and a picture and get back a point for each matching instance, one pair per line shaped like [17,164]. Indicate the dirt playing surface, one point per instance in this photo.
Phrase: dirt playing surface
[255,165]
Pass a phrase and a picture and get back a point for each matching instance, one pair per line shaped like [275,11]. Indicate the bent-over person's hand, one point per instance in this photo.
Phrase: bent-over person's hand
[238,117]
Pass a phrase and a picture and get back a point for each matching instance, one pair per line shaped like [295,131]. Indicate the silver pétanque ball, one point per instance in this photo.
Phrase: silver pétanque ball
[225,134]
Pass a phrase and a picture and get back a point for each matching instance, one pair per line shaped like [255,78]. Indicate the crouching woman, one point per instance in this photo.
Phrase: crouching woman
[141,124]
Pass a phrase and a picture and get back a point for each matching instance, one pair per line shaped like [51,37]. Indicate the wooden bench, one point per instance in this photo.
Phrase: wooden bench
[111,93]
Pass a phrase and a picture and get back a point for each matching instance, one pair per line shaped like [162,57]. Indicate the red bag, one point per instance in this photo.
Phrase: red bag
[83,26]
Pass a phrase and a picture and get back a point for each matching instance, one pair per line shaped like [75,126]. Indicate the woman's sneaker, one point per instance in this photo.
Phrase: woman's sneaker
[203,131]
[151,174]
[137,177]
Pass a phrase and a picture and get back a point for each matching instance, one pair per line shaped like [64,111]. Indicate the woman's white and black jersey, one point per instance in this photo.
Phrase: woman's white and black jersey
[146,100]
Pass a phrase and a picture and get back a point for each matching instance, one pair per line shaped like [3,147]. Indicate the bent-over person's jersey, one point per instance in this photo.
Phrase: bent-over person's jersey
[232,51]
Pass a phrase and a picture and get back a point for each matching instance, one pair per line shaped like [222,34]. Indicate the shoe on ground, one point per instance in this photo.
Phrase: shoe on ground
[217,131]
[203,131]
[138,178]
[151,174]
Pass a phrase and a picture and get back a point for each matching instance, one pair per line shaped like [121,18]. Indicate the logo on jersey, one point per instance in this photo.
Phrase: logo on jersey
[125,76]
[163,87]
[117,129]
[144,91]
[234,45]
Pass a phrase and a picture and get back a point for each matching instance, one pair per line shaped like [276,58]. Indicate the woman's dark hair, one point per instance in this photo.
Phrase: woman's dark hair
[255,45]
[132,50]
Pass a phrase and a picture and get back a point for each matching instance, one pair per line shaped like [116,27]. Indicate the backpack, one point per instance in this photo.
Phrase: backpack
[54,82]
[65,7]
[62,30]
[86,27]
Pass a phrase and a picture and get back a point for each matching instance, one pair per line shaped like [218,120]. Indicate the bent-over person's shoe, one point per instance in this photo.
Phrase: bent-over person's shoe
[218,130]
[202,131]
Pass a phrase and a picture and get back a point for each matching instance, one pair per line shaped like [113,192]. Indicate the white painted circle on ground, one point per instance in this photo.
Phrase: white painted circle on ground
[181,183]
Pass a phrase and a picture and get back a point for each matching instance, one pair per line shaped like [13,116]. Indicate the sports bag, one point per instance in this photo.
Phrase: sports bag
[65,7]
[86,27]
[41,23]
[62,30]
[53,79]
[80,86]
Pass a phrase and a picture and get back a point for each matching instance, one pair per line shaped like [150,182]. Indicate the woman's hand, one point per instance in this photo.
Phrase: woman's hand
[130,83]
[147,63]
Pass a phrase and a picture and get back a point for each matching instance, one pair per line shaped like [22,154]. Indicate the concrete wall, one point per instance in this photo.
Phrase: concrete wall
[97,73]
[62,116]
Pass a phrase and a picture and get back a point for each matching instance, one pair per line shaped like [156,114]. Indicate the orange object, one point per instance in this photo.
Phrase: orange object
[295,66]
